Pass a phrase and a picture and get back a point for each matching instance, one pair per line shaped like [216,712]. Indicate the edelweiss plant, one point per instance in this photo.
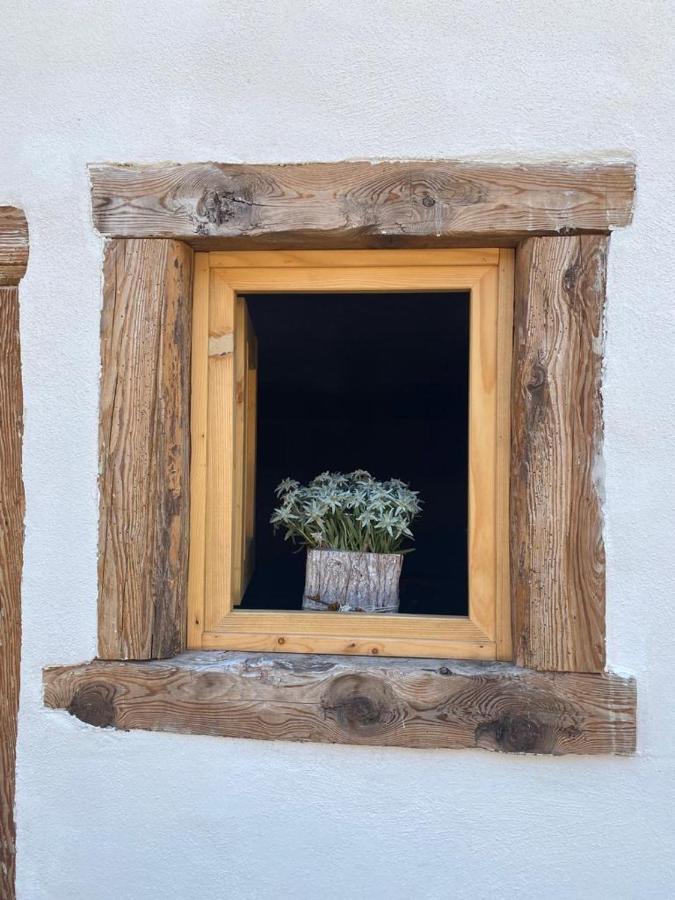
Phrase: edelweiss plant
[351,512]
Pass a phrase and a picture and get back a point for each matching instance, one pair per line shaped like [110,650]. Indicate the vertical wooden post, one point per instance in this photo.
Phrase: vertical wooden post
[557,555]
[13,260]
[144,449]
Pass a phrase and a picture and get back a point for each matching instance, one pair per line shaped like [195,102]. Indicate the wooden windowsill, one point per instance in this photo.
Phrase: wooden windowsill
[420,703]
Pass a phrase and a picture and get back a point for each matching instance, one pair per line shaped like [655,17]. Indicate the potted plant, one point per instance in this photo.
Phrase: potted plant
[353,527]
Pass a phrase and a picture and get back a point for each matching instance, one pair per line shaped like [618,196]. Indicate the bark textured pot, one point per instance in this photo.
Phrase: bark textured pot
[347,581]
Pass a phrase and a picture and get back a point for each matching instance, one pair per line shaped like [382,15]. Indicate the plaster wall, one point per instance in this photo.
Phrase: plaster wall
[104,815]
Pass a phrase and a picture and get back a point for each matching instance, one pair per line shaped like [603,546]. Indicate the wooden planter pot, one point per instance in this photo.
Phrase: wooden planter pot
[344,581]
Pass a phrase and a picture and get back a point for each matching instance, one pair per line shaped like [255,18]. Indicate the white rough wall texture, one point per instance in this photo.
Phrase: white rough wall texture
[105,815]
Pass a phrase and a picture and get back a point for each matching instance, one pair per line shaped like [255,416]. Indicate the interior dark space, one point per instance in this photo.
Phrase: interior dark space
[366,381]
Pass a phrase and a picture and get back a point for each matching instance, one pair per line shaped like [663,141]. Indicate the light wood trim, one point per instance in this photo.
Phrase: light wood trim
[362,278]
[198,455]
[348,644]
[312,259]
[482,453]
[220,444]
[302,622]
[361,204]
[301,632]
[503,448]
[304,632]
[439,703]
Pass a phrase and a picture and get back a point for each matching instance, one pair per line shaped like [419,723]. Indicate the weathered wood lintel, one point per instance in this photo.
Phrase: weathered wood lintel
[432,203]
[385,702]
[13,245]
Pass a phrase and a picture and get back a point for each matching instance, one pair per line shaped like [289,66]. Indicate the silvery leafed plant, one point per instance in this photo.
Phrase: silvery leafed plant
[353,527]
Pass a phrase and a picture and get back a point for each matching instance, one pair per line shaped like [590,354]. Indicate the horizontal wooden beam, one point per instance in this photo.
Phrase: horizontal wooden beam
[360,204]
[13,245]
[384,702]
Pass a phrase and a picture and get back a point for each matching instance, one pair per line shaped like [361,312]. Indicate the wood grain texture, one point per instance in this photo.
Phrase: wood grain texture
[351,581]
[263,636]
[388,702]
[199,409]
[483,459]
[504,632]
[557,555]
[144,449]
[11,560]
[219,474]
[359,204]
[348,259]
[13,245]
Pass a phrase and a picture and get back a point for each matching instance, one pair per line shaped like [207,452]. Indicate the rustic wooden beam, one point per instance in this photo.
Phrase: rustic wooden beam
[144,449]
[13,260]
[360,204]
[346,700]
[13,245]
[557,554]
[11,561]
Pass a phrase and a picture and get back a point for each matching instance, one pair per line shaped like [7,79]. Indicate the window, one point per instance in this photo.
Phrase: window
[461,303]
[557,217]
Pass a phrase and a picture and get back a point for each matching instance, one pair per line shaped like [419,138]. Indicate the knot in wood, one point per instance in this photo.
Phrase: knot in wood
[94,704]
[520,735]
[512,734]
[217,208]
[359,711]
[570,277]
[362,704]
[537,377]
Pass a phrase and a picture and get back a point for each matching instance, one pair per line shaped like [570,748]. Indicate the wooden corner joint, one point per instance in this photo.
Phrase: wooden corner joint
[447,704]
[13,245]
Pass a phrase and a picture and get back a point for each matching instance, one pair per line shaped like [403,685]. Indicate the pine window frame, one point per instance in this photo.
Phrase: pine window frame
[218,407]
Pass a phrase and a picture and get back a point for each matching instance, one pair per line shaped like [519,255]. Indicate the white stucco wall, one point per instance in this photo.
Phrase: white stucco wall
[104,815]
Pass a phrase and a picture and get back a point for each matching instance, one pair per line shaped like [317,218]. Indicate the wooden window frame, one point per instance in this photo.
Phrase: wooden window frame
[557,696]
[216,544]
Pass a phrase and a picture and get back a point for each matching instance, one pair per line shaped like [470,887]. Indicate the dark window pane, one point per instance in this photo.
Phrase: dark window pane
[366,381]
